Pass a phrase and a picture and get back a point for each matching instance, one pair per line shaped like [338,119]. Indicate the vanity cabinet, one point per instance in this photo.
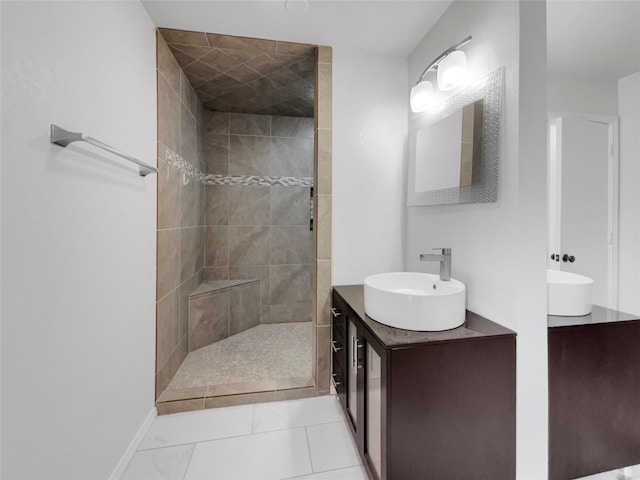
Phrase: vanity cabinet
[425,405]
[594,393]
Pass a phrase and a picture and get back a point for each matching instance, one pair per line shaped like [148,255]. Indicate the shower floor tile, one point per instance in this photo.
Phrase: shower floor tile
[266,357]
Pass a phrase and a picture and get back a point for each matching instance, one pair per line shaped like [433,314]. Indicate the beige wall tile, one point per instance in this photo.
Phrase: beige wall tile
[290,48]
[292,312]
[167,327]
[325,54]
[246,124]
[216,123]
[208,319]
[241,43]
[290,284]
[216,273]
[185,290]
[217,246]
[191,252]
[248,205]
[188,95]
[258,272]
[290,205]
[166,372]
[291,157]
[184,37]
[188,140]
[248,155]
[291,244]
[168,261]
[323,294]
[216,153]
[217,205]
[292,127]
[248,245]
[191,203]
[324,96]
[323,223]
[169,209]
[324,147]
[168,115]
[167,65]
[244,307]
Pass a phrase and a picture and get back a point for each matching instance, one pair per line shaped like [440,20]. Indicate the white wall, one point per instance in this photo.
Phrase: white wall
[629,247]
[369,149]
[78,237]
[581,95]
[499,248]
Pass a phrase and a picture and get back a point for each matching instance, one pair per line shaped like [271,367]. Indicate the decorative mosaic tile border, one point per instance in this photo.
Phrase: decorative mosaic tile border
[191,171]
[259,180]
[187,169]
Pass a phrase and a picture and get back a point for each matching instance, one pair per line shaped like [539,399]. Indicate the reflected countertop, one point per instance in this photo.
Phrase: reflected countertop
[598,315]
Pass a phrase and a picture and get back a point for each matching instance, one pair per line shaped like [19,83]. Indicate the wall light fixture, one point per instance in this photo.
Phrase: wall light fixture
[451,67]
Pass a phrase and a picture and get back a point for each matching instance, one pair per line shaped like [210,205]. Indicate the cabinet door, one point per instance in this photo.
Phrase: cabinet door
[373,402]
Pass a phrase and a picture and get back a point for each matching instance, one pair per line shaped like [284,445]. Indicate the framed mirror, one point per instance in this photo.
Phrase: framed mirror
[454,148]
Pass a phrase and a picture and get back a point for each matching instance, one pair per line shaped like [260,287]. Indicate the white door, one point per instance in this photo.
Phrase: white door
[584,197]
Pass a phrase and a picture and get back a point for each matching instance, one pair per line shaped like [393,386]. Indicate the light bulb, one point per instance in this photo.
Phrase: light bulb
[421,95]
[452,70]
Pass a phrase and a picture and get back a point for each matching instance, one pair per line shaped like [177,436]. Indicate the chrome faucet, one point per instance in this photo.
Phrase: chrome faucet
[445,262]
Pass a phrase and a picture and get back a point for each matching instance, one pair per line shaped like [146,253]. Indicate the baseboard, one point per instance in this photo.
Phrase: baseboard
[133,446]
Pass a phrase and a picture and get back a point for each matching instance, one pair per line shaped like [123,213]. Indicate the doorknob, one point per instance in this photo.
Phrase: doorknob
[568,258]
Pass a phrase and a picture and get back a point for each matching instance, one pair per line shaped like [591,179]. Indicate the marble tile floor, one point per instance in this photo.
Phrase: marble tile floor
[253,360]
[296,439]
[627,473]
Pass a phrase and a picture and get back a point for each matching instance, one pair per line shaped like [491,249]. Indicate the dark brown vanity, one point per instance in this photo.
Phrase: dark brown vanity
[594,393]
[425,405]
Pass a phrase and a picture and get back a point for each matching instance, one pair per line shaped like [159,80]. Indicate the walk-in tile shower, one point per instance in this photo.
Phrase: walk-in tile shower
[243,260]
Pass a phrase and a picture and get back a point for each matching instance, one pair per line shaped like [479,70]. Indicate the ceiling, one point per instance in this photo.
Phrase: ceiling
[392,27]
[599,40]
[247,75]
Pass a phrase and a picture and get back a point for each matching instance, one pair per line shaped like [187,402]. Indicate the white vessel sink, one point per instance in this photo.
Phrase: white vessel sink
[414,301]
[568,294]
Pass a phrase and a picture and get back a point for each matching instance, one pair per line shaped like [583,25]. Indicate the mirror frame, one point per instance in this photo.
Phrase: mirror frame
[490,90]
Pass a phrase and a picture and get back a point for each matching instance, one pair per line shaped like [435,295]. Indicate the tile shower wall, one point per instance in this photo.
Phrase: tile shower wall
[261,231]
[181,230]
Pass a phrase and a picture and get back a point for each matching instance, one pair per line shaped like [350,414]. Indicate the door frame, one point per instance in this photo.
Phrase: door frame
[554,188]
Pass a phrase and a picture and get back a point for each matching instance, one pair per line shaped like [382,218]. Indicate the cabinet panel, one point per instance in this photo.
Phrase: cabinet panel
[373,427]
[352,367]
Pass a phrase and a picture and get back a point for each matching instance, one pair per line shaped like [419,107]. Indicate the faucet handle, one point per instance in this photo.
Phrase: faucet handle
[444,251]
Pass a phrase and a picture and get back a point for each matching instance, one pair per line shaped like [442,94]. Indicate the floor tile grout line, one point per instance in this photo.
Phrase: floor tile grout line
[306,434]
[196,442]
[323,471]
[186,470]
[237,436]
[299,426]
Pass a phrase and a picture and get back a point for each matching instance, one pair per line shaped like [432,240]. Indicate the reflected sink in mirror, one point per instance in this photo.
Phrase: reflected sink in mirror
[568,294]
[414,301]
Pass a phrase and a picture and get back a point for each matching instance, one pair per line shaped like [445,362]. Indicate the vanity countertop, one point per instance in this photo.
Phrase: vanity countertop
[598,315]
[475,327]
